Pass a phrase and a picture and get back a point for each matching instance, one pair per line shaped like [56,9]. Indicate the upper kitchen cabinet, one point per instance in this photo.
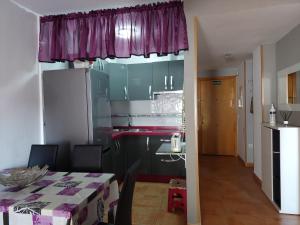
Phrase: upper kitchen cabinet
[118,82]
[176,72]
[168,76]
[101,65]
[160,76]
[140,81]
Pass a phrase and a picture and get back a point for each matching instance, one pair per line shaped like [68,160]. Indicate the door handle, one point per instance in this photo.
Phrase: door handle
[150,92]
[171,82]
[147,141]
[125,93]
[166,82]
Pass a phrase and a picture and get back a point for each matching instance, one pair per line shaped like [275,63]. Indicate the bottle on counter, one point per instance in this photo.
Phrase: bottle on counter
[272,115]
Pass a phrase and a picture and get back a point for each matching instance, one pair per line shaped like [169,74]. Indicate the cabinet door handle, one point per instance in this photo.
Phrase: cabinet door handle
[171,82]
[166,82]
[125,92]
[150,92]
[119,145]
[148,143]
[165,140]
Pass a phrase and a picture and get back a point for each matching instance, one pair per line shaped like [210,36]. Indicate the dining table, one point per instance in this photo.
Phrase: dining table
[60,198]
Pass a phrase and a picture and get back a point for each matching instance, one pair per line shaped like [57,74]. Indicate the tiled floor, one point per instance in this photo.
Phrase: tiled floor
[230,196]
[150,206]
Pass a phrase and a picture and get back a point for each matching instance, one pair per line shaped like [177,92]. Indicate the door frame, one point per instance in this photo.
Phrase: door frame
[223,77]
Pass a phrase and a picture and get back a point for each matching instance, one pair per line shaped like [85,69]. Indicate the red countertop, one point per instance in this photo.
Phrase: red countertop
[144,131]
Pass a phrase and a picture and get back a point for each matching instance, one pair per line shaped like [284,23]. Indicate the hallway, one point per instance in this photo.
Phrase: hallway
[230,196]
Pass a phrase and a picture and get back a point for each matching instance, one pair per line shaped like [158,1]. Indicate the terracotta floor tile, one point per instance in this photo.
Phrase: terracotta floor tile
[150,206]
[171,219]
[230,196]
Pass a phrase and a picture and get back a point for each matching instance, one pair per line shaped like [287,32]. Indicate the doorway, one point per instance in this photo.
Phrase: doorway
[217,112]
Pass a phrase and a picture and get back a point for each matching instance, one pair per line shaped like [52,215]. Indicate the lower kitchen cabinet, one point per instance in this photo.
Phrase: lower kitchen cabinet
[138,147]
[119,159]
[107,161]
[164,165]
[129,149]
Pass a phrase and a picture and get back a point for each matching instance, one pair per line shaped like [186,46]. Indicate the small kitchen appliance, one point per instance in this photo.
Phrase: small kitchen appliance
[176,142]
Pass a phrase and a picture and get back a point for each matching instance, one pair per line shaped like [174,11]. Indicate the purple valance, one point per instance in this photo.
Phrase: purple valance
[157,28]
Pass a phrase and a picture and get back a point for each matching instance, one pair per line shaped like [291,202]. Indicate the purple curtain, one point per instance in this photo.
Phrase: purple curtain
[157,28]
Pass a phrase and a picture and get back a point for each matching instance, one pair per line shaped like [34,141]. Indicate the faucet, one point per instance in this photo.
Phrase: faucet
[129,121]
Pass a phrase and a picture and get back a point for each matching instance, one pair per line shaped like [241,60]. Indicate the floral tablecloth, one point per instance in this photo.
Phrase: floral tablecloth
[60,198]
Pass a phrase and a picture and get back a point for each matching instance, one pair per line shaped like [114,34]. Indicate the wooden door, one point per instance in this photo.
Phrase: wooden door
[217,117]
[292,90]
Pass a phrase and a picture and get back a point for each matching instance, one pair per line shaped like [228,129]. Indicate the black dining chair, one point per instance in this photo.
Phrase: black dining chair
[124,208]
[86,158]
[41,155]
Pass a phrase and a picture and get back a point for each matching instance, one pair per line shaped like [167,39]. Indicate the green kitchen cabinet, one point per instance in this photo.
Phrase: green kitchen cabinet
[168,75]
[127,150]
[140,81]
[118,82]
[176,74]
[138,147]
[119,158]
[160,76]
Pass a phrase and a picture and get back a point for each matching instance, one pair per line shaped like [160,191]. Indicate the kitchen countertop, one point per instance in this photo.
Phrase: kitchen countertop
[119,132]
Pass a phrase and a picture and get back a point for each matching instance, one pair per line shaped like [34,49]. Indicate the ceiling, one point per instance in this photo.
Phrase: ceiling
[237,27]
[234,27]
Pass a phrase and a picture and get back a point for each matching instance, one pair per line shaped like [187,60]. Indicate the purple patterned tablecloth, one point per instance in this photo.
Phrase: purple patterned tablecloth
[60,198]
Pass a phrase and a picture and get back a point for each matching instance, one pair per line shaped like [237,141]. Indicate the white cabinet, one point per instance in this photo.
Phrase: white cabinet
[281,167]
[267,161]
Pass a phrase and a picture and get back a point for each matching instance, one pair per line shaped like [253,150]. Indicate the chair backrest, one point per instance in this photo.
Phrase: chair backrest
[86,158]
[41,155]
[124,208]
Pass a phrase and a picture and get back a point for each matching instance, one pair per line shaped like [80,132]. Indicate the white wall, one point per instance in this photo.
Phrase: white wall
[190,96]
[230,71]
[241,125]
[257,106]
[245,117]
[54,66]
[264,94]
[153,58]
[269,77]
[249,115]
[19,85]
